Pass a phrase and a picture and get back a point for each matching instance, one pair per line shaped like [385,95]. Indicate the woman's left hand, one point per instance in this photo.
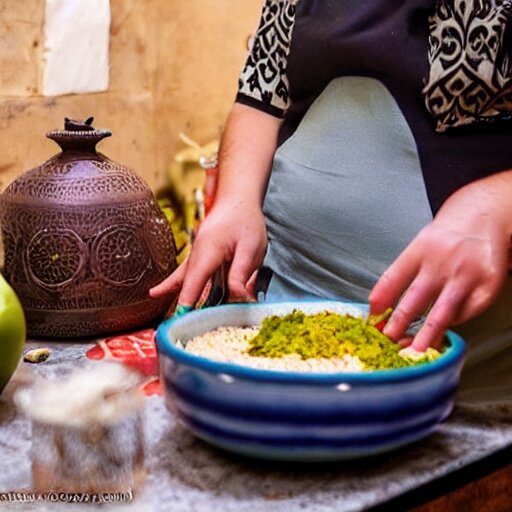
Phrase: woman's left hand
[456,265]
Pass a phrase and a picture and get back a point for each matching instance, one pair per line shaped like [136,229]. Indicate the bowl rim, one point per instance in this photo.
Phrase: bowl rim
[166,347]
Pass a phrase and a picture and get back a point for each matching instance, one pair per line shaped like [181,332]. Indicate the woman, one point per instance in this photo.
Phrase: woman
[379,149]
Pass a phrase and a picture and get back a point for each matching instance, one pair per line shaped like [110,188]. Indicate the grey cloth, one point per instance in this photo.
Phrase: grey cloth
[345,197]
[346,194]
[487,374]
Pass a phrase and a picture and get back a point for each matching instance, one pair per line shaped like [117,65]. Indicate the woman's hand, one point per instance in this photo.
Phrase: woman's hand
[455,267]
[231,233]
[234,230]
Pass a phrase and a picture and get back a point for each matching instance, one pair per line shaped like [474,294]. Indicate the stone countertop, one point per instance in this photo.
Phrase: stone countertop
[186,474]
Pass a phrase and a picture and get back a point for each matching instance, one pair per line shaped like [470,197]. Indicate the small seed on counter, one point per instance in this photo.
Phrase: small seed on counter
[37,355]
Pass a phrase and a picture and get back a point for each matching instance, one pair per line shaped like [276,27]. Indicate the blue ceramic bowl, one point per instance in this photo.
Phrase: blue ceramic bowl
[297,415]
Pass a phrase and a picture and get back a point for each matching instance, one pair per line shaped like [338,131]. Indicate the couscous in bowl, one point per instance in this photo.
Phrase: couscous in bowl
[300,415]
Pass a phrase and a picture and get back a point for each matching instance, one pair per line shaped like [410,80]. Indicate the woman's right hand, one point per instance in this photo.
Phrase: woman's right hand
[232,232]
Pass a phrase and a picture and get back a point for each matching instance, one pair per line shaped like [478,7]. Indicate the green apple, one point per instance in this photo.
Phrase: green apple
[12,332]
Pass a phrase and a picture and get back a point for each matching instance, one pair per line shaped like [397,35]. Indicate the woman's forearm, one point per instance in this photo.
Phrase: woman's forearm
[491,196]
[246,154]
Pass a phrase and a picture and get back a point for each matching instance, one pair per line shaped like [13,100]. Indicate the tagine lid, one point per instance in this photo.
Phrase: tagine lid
[79,173]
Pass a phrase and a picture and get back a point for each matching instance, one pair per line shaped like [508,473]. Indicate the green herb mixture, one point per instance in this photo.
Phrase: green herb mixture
[330,335]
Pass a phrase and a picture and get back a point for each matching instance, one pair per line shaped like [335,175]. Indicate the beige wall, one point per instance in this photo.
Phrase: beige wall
[173,68]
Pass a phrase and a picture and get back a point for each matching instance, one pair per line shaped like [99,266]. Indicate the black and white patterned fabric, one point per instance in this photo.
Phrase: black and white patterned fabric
[470,76]
[263,79]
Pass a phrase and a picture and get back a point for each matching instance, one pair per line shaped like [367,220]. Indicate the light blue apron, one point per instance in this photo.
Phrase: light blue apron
[345,197]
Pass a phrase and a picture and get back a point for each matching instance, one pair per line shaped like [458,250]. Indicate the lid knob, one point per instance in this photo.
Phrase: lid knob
[78,135]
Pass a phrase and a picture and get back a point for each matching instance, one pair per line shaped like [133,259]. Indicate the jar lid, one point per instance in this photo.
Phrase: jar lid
[78,135]
[79,174]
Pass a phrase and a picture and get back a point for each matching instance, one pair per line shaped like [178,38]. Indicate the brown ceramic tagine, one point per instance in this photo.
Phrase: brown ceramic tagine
[84,240]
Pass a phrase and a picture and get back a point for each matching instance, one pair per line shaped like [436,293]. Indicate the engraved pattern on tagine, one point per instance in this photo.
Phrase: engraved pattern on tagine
[84,240]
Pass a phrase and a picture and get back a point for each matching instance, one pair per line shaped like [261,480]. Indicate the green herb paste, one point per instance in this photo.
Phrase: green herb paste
[330,335]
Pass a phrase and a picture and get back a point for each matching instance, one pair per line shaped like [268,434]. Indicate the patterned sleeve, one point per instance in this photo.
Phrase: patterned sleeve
[263,83]
[470,76]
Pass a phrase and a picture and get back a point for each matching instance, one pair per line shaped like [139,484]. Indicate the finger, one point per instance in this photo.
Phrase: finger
[394,281]
[480,299]
[430,335]
[171,283]
[204,260]
[442,315]
[251,284]
[245,262]
[416,300]
[405,342]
